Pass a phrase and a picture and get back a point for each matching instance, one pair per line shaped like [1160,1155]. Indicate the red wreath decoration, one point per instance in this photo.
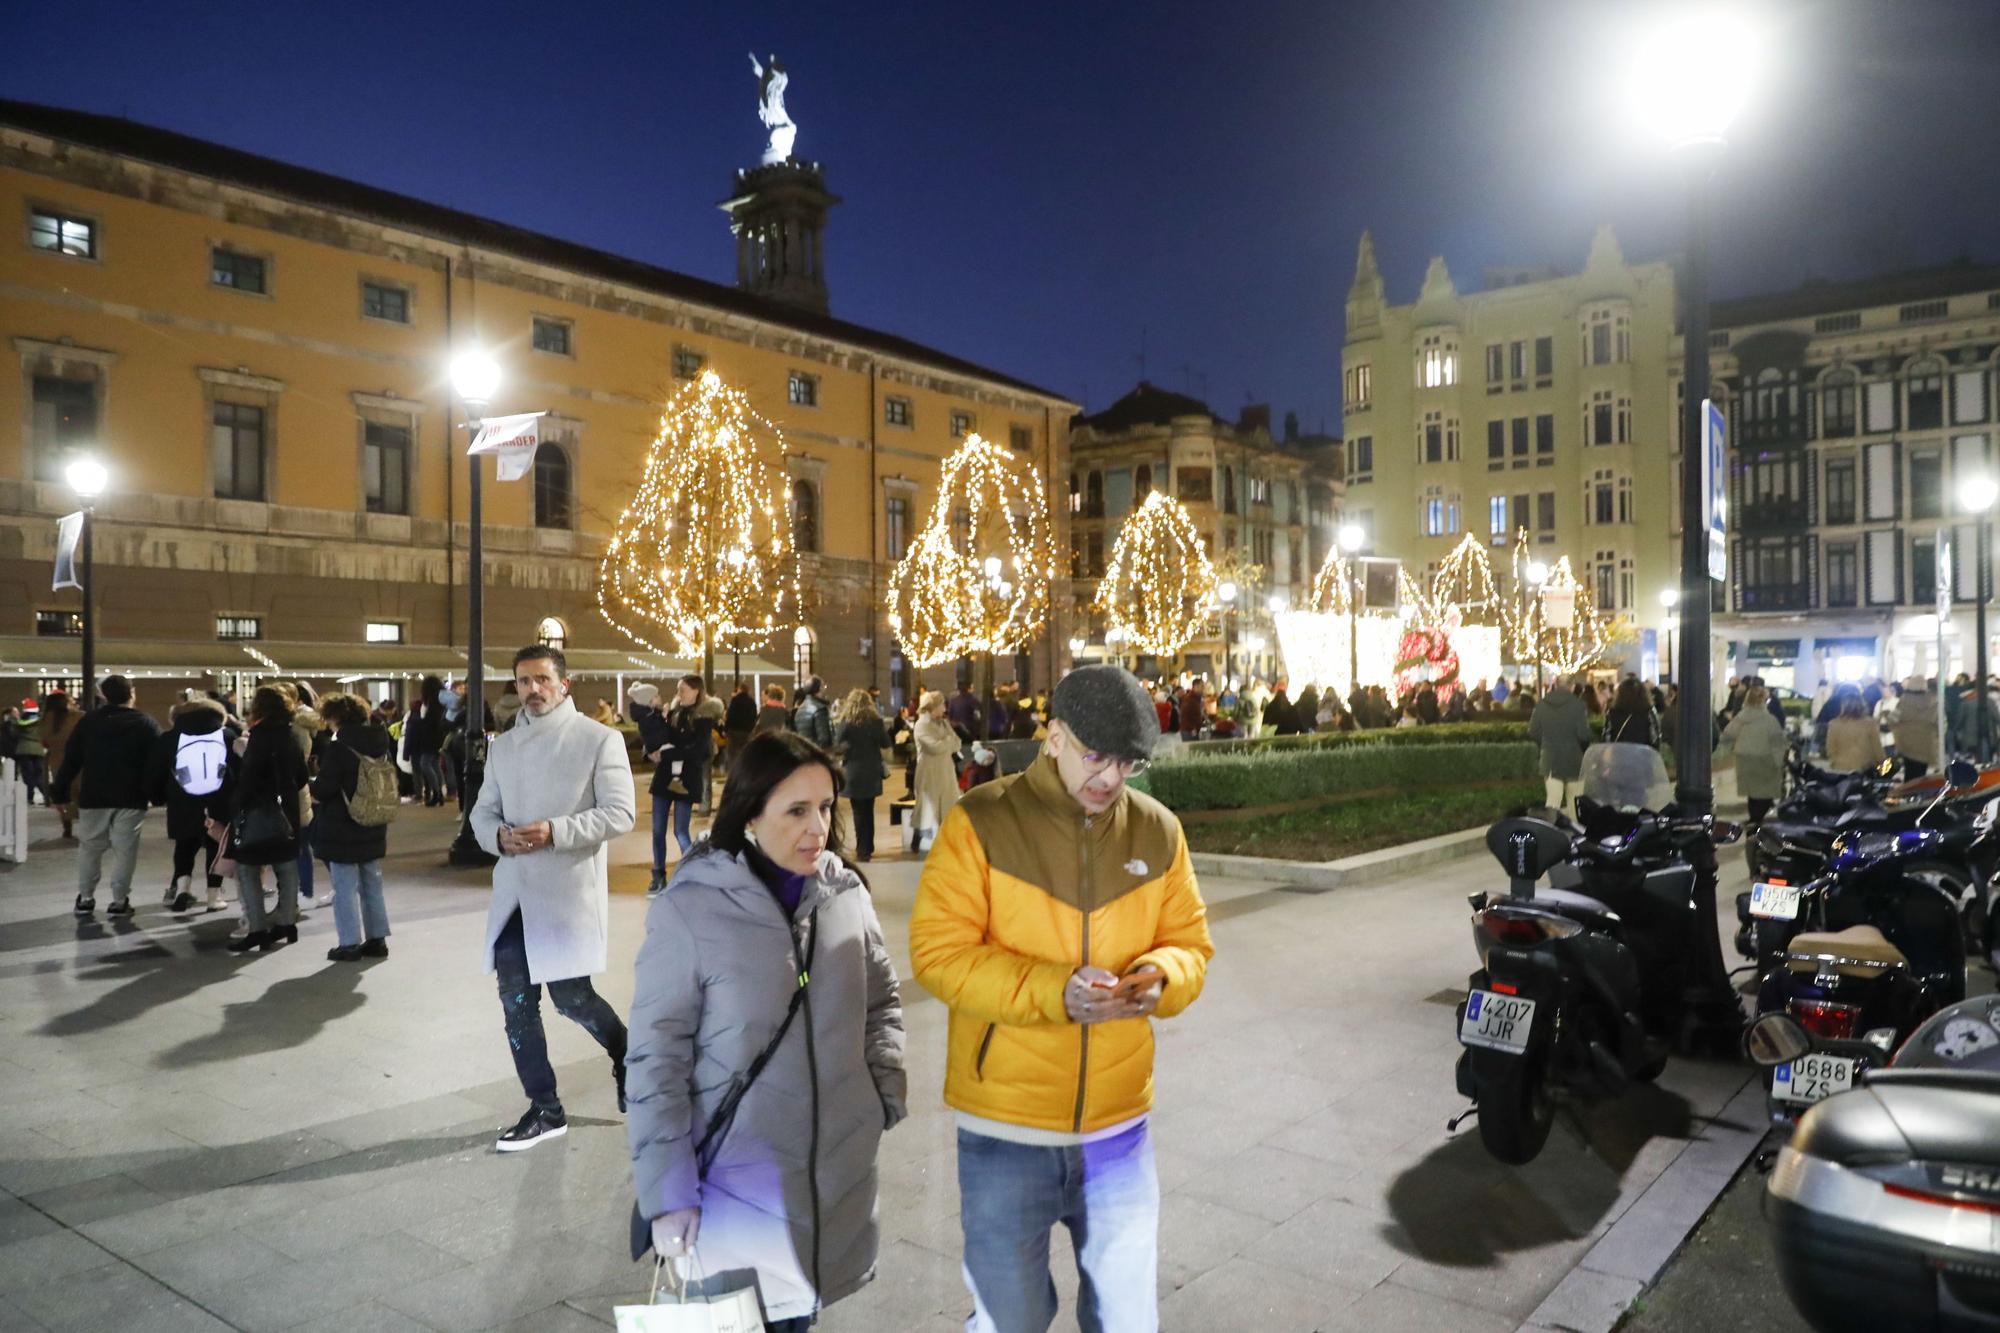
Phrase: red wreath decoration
[1426,655]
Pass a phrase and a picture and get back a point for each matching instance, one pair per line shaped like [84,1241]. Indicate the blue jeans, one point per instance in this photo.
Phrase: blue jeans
[683,812]
[305,862]
[358,909]
[1107,1193]
[430,779]
[521,1005]
[250,887]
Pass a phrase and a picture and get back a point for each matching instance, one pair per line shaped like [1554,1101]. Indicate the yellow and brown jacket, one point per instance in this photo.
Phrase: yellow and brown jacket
[1021,889]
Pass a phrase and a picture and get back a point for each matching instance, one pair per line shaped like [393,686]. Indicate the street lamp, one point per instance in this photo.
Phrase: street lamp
[87,478]
[1225,593]
[1537,574]
[1352,539]
[1670,598]
[475,378]
[1976,495]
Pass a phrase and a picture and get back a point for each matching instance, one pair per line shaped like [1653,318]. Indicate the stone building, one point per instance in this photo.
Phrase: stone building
[257,352]
[1541,402]
[1856,410]
[1258,499]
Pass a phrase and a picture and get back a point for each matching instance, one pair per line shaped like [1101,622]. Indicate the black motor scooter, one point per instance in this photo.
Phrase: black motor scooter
[1580,990]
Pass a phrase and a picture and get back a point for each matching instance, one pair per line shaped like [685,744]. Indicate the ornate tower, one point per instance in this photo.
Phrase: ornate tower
[778,214]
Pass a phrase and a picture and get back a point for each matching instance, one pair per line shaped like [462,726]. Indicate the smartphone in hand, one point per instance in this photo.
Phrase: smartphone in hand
[1134,984]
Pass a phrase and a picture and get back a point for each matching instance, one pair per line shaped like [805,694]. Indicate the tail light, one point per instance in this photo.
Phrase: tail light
[1521,928]
[1827,1018]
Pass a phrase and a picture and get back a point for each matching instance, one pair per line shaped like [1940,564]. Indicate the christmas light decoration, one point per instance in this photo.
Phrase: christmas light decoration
[977,577]
[1160,585]
[1538,630]
[703,556]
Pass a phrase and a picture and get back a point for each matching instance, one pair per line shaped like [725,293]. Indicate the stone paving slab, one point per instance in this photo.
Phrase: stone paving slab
[206,1141]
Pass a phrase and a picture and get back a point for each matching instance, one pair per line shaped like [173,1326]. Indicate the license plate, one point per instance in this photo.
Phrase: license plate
[1497,1022]
[1775,902]
[1812,1078]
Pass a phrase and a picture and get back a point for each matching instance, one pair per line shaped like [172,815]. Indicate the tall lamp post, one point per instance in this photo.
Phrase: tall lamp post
[1670,598]
[1976,496]
[1225,593]
[87,478]
[475,377]
[1352,539]
[1537,574]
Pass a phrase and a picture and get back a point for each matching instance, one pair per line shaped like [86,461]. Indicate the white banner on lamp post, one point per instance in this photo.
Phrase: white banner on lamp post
[512,441]
[69,528]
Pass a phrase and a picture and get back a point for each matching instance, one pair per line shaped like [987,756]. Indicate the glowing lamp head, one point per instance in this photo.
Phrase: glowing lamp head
[1536,573]
[1352,538]
[1276,603]
[1076,647]
[1693,73]
[1670,597]
[710,381]
[87,477]
[1977,493]
[475,376]
[1227,592]
[992,566]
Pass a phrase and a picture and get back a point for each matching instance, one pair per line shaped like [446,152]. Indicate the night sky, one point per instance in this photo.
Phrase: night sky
[1048,189]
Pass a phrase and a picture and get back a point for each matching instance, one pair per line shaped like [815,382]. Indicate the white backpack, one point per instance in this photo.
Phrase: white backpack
[199,763]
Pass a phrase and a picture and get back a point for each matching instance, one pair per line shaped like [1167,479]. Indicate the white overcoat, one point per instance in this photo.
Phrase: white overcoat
[573,772]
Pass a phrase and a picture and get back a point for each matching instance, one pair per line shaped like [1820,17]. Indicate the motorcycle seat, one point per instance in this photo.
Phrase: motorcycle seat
[1858,950]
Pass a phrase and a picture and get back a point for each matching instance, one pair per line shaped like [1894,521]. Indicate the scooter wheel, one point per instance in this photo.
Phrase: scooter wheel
[1516,1110]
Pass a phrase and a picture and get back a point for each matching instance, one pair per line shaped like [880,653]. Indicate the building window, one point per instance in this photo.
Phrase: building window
[553,493]
[1836,415]
[1358,388]
[1517,363]
[59,624]
[1922,310]
[1545,436]
[1927,398]
[64,423]
[1545,512]
[1094,554]
[804,644]
[1600,420]
[552,633]
[1496,440]
[1496,519]
[801,389]
[1607,338]
[1496,367]
[1020,439]
[379,300]
[63,234]
[896,411]
[961,530]
[1363,468]
[1142,482]
[805,516]
[1520,437]
[1545,362]
[237,436]
[1923,571]
[1599,498]
[1197,484]
[239,627]
[1518,516]
[688,363]
[1968,397]
[1926,484]
[961,425]
[1093,494]
[385,468]
[1842,566]
[1607,581]
[552,335]
[898,526]
[384,631]
[1438,515]
[1437,363]
[243,273]
[1840,490]
[1838,323]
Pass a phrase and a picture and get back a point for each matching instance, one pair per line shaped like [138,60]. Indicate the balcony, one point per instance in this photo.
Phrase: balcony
[1775,596]
[1771,432]
[1758,515]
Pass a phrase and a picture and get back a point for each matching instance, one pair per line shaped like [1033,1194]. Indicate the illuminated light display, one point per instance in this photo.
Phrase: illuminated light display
[1160,588]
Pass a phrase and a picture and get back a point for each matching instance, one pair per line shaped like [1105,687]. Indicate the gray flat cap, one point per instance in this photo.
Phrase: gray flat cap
[1106,708]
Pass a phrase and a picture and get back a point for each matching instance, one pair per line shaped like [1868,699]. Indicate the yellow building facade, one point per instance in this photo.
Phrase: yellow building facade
[257,353]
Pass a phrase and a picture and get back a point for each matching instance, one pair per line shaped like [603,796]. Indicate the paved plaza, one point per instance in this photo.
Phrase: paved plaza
[201,1140]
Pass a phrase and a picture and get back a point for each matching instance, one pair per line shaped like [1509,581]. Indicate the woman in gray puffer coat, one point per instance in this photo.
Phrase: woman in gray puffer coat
[765,946]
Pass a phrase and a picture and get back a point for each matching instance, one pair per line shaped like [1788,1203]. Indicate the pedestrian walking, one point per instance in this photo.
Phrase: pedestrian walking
[773,716]
[1854,739]
[681,742]
[859,737]
[110,748]
[937,744]
[309,730]
[1058,913]
[558,789]
[1560,724]
[766,1056]
[265,820]
[739,719]
[812,719]
[54,729]
[963,712]
[191,772]
[1915,728]
[1280,715]
[356,799]
[21,741]
[423,741]
[1759,743]
[1631,719]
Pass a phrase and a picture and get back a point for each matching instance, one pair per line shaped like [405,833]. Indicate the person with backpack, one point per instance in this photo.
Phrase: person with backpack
[190,774]
[355,795]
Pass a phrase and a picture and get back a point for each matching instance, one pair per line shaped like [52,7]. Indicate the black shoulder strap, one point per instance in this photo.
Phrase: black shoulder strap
[726,1113]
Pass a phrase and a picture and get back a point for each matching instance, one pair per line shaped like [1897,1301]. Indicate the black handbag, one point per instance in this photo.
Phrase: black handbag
[258,828]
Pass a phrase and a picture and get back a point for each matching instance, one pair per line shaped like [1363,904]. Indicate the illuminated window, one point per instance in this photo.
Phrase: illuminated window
[552,633]
[239,627]
[804,644]
[1437,363]
[63,234]
[805,516]
[60,624]
[385,631]
[1358,388]
[802,390]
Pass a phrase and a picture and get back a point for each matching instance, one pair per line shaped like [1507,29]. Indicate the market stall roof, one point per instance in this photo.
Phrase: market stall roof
[62,656]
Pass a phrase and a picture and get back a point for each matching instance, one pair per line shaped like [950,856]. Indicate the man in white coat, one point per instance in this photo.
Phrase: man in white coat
[558,789]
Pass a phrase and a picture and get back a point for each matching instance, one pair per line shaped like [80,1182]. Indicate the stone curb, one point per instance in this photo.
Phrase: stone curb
[1321,876]
[1627,1259]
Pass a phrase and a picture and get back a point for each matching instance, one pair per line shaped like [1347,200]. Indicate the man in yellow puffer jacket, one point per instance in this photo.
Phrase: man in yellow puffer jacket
[1057,913]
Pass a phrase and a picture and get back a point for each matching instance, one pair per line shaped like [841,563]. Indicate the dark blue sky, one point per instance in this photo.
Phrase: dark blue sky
[1047,188]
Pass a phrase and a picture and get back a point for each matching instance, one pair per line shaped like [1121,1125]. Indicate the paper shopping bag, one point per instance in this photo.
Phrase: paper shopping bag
[695,1307]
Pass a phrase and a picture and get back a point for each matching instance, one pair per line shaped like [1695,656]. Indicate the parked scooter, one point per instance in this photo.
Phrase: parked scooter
[1583,990]
[1882,1205]
[1880,950]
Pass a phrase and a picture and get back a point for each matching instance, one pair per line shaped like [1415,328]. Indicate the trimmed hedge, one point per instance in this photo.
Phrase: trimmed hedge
[1248,781]
[1444,733]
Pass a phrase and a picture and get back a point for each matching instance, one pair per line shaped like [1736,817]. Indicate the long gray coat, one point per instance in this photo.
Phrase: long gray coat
[1561,726]
[713,981]
[1759,743]
[573,772]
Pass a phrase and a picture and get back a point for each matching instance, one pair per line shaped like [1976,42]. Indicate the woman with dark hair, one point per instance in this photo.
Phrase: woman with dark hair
[766,1051]
[859,738]
[423,740]
[268,782]
[1631,719]
[356,781]
[53,731]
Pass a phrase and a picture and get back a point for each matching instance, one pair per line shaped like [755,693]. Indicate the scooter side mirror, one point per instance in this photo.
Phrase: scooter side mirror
[1776,1039]
[1960,773]
[1722,833]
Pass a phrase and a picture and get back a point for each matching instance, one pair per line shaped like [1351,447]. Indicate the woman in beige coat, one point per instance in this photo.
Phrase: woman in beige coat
[1854,739]
[937,774]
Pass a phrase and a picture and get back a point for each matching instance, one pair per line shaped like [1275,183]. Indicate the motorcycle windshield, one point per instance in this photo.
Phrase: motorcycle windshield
[1626,776]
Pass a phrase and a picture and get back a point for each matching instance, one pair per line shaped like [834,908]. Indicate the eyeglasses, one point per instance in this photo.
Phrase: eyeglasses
[1095,763]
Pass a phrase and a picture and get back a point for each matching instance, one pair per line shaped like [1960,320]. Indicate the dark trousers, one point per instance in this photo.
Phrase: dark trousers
[521,1002]
[1759,807]
[864,827]
[184,853]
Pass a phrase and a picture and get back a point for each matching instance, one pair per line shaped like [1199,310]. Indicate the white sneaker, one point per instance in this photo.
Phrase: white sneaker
[215,902]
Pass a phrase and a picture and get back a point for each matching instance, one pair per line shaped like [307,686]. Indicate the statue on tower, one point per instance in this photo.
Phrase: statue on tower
[771,82]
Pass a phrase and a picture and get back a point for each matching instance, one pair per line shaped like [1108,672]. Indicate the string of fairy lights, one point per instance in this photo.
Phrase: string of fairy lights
[977,577]
[703,557]
[1159,590]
